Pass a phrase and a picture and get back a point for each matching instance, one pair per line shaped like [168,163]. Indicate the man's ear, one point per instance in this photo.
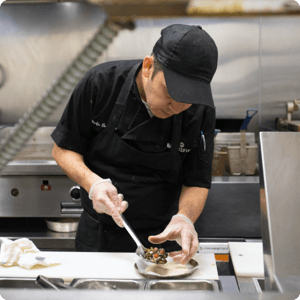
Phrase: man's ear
[148,66]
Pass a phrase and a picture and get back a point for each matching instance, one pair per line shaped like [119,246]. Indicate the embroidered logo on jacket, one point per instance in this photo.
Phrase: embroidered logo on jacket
[181,147]
[98,124]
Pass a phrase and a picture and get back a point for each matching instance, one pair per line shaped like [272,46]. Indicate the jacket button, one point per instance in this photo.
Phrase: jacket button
[157,147]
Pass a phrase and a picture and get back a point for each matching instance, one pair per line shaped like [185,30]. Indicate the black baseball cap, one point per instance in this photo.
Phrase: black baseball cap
[189,57]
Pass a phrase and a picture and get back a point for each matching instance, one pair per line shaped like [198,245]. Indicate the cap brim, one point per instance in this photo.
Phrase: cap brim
[187,90]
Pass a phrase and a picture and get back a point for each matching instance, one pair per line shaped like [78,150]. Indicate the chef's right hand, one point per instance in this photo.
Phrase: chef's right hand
[106,199]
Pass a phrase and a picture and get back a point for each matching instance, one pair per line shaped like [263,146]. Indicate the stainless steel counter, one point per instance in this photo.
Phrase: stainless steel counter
[224,288]
[36,230]
[145,295]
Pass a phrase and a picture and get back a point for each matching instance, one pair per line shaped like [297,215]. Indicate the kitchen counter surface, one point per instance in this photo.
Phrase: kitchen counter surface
[247,259]
[102,265]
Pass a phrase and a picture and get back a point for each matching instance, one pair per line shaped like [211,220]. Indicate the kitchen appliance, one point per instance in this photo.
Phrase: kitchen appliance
[228,153]
[32,185]
[287,123]
[242,158]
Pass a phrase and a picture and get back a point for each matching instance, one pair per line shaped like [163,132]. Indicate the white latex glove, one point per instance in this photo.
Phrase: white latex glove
[106,200]
[181,229]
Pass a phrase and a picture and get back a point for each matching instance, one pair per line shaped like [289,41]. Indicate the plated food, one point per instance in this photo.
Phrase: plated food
[156,255]
[168,269]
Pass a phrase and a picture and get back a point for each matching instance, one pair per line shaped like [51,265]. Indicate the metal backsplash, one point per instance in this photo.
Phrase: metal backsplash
[259,57]
[280,209]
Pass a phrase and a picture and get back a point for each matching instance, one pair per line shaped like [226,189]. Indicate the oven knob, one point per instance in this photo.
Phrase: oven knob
[75,193]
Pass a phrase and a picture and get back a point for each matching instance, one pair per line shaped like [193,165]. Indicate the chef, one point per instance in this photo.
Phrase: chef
[137,136]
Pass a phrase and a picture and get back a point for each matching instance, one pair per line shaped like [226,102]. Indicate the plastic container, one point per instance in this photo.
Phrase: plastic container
[236,162]
[224,141]
[241,149]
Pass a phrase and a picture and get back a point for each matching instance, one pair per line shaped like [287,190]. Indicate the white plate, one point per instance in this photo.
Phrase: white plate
[141,268]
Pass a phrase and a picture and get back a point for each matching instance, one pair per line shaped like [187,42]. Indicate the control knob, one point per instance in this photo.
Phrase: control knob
[75,193]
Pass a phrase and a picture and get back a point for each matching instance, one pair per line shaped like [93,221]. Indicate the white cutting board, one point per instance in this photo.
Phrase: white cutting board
[247,259]
[102,265]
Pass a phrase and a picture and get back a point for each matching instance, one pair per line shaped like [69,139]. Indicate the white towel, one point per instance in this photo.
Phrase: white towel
[24,253]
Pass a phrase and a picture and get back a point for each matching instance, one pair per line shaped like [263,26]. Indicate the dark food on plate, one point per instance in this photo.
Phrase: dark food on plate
[155,255]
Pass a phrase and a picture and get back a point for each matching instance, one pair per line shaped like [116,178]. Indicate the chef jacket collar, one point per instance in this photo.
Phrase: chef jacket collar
[137,123]
[152,130]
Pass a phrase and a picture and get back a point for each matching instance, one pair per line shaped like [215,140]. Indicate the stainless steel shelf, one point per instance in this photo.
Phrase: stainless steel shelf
[36,230]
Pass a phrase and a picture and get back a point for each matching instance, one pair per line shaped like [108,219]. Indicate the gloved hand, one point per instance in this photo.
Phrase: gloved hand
[106,200]
[181,230]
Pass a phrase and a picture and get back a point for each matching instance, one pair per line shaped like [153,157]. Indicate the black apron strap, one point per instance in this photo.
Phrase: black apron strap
[176,134]
[122,98]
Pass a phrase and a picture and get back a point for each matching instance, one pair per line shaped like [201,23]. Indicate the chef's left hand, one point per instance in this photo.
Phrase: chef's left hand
[182,230]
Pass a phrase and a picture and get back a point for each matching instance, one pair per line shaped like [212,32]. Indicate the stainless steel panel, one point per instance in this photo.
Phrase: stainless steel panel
[228,284]
[138,295]
[235,180]
[36,230]
[32,167]
[206,247]
[258,56]
[37,42]
[23,196]
[280,209]
[35,158]
[183,285]
[108,285]
[19,283]
[259,284]
[41,39]
[246,285]
[279,67]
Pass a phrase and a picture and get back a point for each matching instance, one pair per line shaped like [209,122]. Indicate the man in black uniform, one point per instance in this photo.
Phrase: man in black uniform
[143,129]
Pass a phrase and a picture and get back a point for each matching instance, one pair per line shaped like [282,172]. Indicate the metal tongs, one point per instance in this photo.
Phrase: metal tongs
[51,283]
[140,250]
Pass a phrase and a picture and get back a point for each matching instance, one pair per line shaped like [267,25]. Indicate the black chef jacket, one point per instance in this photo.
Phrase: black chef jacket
[88,111]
